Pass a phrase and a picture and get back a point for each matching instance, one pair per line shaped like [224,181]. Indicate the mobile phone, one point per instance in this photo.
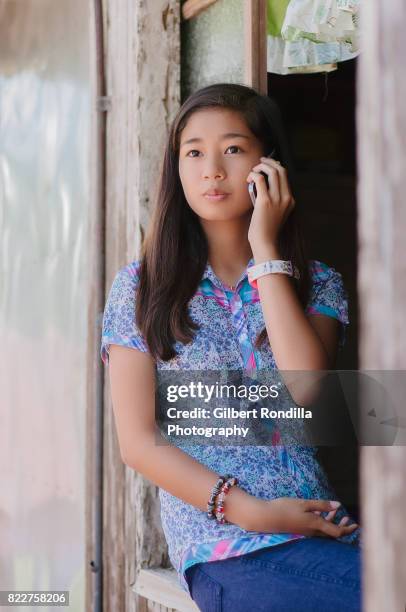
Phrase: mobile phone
[252,190]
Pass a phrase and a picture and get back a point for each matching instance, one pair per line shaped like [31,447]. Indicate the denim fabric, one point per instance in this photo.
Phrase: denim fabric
[314,574]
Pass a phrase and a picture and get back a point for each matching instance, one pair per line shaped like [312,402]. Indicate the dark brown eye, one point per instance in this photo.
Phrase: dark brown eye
[233,147]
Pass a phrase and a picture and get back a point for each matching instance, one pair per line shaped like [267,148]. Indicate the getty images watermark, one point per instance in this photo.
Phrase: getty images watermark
[260,407]
[207,393]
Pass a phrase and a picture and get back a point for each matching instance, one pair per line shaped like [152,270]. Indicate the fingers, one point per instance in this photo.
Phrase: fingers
[268,165]
[330,529]
[320,504]
[273,180]
[279,189]
[336,531]
[283,179]
[330,516]
[324,525]
[260,183]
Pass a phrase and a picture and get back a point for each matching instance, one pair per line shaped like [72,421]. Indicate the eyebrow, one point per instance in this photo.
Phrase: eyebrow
[222,137]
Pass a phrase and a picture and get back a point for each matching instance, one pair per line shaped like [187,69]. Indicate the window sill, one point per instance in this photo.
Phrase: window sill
[161,585]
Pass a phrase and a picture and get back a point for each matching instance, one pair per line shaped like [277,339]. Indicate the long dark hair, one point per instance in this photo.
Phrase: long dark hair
[175,250]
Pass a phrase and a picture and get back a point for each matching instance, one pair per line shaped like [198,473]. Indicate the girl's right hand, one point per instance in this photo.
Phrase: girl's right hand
[296,515]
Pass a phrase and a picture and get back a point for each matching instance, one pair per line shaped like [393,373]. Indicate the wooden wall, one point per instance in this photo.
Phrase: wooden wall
[142,55]
[381,122]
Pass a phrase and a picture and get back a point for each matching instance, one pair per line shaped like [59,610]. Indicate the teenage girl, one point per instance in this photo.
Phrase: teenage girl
[247,526]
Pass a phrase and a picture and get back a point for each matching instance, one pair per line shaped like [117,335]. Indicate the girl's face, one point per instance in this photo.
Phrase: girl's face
[221,153]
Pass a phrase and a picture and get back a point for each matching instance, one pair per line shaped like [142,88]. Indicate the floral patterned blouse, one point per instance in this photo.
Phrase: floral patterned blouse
[230,320]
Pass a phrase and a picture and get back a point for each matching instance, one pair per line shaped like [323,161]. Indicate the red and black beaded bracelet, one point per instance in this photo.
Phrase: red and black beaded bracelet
[219,510]
[214,492]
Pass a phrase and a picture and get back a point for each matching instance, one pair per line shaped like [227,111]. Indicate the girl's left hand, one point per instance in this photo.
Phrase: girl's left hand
[272,206]
[331,515]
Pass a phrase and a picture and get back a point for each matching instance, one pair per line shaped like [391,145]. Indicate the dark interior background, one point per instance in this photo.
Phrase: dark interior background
[318,115]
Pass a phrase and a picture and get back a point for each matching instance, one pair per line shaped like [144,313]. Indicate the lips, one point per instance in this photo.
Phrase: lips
[217,197]
[215,192]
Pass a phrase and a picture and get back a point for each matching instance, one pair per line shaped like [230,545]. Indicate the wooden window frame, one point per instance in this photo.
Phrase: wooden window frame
[255,45]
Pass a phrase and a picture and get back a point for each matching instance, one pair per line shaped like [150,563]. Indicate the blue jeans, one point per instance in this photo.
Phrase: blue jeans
[313,574]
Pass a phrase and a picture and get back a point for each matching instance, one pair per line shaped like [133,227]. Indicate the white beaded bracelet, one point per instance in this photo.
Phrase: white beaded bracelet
[272,266]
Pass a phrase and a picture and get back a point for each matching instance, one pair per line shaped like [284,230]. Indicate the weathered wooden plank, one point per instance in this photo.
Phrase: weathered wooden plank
[95,301]
[381,120]
[162,586]
[142,50]
[191,8]
[255,41]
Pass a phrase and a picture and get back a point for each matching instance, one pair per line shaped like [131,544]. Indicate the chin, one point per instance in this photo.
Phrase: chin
[221,215]
[219,212]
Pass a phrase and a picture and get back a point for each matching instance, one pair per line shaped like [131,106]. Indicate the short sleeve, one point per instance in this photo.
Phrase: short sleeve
[119,326]
[328,296]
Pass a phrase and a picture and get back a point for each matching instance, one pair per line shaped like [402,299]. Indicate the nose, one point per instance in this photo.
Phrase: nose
[213,169]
